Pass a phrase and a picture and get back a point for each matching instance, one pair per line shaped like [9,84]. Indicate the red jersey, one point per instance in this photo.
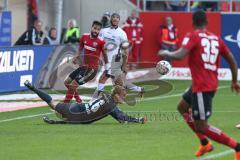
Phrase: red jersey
[91,50]
[205,49]
[169,34]
[134,30]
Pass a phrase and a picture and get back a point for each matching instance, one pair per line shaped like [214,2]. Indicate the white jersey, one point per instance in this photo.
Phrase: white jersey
[113,37]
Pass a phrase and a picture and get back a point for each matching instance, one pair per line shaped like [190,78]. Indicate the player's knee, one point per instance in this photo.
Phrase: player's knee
[72,87]
[103,79]
[183,107]
[67,82]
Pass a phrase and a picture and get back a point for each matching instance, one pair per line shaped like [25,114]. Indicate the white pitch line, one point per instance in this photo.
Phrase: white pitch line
[147,99]
[217,155]
[25,117]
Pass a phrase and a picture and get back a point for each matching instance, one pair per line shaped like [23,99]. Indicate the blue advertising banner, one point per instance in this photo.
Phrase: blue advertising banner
[231,35]
[18,64]
[5,28]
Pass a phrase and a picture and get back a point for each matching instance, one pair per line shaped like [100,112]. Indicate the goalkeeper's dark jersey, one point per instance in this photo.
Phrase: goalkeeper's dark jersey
[86,112]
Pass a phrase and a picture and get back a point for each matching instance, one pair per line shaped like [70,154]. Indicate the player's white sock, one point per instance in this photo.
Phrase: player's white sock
[133,87]
[100,86]
[136,89]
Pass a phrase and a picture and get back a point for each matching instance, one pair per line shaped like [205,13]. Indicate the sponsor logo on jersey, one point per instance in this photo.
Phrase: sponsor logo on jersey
[14,61]
[90,48]
[95,44]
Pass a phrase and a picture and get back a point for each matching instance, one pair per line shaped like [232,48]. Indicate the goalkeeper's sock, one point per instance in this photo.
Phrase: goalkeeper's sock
[43,95]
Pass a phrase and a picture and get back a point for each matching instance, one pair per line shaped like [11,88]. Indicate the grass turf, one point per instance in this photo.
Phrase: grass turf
[165,137]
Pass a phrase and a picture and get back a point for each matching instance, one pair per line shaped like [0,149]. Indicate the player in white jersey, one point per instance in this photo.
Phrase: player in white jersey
[119,68]
[113,36]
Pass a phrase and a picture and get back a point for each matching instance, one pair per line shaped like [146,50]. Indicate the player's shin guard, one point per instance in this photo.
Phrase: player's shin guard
[122,117]
[189,120]
[220,137]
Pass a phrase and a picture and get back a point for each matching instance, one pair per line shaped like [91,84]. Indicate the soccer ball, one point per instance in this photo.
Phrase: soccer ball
[163,67]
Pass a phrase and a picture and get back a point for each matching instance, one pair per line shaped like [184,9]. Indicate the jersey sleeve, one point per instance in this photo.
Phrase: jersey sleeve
[189,41]
[103,42]
[224,50]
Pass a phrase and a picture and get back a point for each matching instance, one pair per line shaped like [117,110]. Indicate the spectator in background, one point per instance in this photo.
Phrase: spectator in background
[176,5]
[33,36]
[51,39]
[73,33]
[134,30]
[168,36]
[106,20]
[209,6]
[195,6]
[225,6]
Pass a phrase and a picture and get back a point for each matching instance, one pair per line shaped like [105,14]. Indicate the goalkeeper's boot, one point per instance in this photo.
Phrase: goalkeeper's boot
[28,85]
[204,149]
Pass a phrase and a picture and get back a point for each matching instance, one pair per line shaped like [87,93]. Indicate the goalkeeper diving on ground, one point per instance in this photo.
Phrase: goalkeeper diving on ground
[86,113]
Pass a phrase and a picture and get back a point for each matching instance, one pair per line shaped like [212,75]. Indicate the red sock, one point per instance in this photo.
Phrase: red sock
[189,120]
[77,97]
[69,96]
[220,137]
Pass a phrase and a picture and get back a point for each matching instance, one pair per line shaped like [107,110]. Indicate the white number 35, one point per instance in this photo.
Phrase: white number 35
[211,50]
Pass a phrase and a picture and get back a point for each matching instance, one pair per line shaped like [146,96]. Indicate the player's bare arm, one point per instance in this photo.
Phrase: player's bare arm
[125,47]
[105,58]
[235,86]
[125,60]
[77,56]
[178,54]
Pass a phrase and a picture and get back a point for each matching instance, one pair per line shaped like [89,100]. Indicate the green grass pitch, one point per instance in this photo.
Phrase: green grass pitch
[164,137]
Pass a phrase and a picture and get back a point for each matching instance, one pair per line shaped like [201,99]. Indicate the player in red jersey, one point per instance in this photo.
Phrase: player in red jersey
[204,50]
[90,49]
